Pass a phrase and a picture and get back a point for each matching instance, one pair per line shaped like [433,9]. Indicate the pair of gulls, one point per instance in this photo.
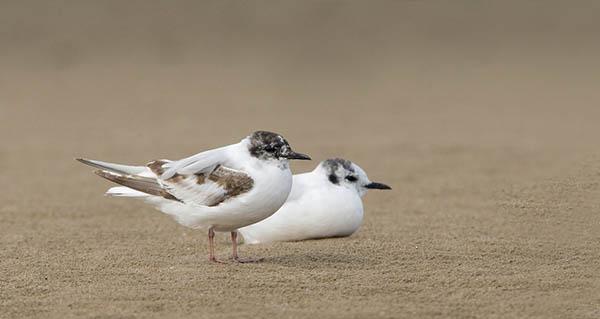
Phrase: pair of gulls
[248,187]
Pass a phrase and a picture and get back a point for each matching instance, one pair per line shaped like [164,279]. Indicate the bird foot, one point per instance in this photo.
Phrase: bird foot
[215,260]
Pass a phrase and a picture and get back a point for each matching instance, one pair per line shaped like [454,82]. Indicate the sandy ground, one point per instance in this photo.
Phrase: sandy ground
[483,118]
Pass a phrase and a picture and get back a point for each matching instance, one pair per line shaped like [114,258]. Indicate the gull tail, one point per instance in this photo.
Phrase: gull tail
[136,181]
[122,191]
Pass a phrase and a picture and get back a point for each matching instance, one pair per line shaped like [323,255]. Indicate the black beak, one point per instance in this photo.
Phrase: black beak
[296,156]
[375,185]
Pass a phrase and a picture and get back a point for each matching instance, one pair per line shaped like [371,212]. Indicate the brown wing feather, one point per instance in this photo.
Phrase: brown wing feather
[157,166]
[234,182]
[230,183]
[139,183]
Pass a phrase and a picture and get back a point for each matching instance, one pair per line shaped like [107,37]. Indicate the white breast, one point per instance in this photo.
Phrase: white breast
[272,185]
[313,211]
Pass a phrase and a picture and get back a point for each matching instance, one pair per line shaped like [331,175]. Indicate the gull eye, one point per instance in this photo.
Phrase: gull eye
[351,178]
[269,149]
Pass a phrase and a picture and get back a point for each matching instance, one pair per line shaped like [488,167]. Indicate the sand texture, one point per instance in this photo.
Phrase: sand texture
[484,117]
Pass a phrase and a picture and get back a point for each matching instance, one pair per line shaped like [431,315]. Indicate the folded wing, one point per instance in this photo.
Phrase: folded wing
[206,188]
[200,163]
[202,179]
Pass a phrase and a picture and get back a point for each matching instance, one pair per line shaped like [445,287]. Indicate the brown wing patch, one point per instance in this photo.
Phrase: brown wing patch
[234,182]
[230,183]
[139,183]
[157,167]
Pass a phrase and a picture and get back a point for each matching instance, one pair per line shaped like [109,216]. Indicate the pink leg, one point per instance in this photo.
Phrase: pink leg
[211,246]
[234,255]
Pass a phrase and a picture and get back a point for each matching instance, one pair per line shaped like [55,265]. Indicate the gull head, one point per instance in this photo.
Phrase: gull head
[344,173]
[272,146]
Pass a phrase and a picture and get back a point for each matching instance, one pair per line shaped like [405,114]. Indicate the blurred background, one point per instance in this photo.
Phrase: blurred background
[482,115]
[384,71]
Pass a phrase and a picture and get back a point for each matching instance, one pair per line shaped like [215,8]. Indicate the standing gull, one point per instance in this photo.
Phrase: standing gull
[323,203]
[219,190]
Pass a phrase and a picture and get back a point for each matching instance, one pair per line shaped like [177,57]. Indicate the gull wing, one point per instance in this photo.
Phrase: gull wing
[203,179]
[200,163]
[205,188]
[113,167]
[139,183]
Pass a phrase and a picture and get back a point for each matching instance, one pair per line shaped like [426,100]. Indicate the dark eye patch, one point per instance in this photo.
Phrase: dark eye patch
[270,148]
[351,178]
[333,179]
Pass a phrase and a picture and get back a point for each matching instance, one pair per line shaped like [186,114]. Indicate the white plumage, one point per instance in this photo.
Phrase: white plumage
[323,203]
[219,190]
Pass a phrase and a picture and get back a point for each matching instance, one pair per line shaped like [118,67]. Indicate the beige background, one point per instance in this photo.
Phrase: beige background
[482,115]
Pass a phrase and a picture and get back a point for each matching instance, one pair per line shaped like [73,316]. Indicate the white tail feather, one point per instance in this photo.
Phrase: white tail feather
[122,191]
